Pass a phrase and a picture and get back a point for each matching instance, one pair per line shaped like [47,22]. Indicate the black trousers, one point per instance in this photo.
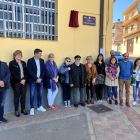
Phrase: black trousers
[19,93]
[66,91]
[91,88]
[99,88]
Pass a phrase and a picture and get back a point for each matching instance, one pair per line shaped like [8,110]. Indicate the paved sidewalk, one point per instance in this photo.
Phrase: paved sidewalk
[133,112]
[113,125]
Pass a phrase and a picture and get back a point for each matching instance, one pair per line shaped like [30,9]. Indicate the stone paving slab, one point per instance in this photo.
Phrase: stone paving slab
[112,125]
[63,129]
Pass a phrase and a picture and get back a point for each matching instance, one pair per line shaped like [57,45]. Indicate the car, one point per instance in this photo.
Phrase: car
[119,55]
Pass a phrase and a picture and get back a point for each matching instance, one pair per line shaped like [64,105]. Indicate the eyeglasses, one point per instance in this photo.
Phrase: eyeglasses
[78,59]
[89,59]
[68,61]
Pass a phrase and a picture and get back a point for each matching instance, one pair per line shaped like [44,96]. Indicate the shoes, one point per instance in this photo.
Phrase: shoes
[88,101]
[55,106]
[52,108]
[82,104]
[24,112]
[65,103]
[98,101]
[17,114]
[116,102]
[68,103]
[127,103]
[110,101]
[3,120]
[41,109]
[32,111]
[121,103]
[76,105]
[134,103]
[92,102]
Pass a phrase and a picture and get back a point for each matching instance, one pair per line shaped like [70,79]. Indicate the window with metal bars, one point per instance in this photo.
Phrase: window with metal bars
[31,19]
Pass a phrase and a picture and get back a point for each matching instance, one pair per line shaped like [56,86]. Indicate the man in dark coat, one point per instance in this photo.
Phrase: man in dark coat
[78,80]
[4,85]
[36,69]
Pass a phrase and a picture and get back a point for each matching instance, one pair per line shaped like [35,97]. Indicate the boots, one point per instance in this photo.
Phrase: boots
[92,102]
[88,101]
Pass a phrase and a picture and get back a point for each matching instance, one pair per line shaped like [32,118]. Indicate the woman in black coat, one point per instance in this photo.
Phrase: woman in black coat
[19,75]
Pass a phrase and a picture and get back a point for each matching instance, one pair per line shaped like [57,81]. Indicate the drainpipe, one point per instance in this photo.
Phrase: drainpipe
[101,24]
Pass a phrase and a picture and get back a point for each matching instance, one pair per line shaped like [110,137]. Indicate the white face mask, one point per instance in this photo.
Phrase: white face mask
[77,63]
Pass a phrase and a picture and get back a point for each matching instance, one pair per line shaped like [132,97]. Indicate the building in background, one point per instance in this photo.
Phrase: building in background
[29,24]
[131,33]
[117,40]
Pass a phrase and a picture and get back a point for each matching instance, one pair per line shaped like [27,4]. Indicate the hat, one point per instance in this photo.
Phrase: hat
[77,56]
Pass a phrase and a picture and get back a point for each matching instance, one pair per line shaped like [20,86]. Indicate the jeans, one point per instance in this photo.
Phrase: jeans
[2,102]
[66,91]
[135,90]
[19,92]
[99,88]
[75,94]
[91,88]
[114,90]
[39,93]
[51,96]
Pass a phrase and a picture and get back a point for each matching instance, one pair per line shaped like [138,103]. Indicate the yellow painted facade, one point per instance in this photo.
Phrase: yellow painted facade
[131,29]
[83,40]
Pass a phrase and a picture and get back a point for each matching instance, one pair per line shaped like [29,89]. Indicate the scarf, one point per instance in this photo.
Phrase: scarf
[52,68]
[112,70]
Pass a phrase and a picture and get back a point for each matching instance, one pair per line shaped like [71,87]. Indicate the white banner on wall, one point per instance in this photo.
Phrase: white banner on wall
[102,51]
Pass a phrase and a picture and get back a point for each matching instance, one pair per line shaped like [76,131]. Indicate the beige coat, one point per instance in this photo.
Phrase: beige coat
[108,82]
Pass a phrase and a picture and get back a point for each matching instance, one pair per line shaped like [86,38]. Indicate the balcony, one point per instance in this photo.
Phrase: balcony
[131,31]
[131,17]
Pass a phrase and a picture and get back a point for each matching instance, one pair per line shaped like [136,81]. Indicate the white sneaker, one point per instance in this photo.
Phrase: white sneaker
[101,101]
[134,103]
[32,111]
[41,109]
[108,98]
[98,101]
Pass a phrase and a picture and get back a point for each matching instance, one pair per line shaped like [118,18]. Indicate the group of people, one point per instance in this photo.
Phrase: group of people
[74,76]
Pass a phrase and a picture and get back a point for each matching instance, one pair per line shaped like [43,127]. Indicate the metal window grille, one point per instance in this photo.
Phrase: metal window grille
[30,19]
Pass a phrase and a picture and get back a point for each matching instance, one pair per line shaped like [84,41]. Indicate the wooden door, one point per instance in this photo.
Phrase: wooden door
[130,44]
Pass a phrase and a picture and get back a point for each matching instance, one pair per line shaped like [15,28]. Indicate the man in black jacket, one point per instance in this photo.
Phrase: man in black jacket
[4,85]
[78,80]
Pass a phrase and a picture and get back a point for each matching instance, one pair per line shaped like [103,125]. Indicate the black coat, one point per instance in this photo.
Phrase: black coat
[32,69]
[4,75]
[15,72]
[74,75]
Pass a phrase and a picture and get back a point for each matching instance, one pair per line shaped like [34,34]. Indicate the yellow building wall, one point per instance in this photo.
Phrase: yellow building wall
[136,46]
[83,40]
[108,24]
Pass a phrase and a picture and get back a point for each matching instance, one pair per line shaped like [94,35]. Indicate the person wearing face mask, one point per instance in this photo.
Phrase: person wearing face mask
[136,76]
[91,78]
[64,78]
[111,80]
[78,80]
[112,53]
[19,75]
[126,69]
[51,81]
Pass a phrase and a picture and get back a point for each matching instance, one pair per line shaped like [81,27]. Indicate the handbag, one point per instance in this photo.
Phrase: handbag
[133,80]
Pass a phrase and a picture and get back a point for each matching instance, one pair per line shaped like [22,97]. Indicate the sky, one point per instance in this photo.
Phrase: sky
[119,7]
